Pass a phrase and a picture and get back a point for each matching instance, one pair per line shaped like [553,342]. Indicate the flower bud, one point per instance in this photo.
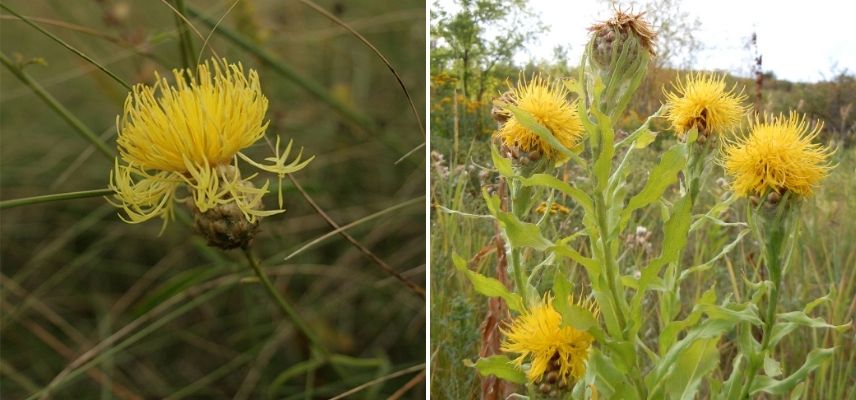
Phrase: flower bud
[618,54]
[225,226]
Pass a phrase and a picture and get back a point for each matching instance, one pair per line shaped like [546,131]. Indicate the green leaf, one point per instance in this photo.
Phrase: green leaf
[589,264]
[707,265]
[666,366]
[661,177]
[528,121]
[550,181]
[800,318]
[772,368]
[784,386]
[518,233]
[580,318]
[672,329]
[499,366]
[611,382]
[522,234]
[561,289]
[489,287]
[646,137]
[502,164]
[747,312]
[693,364]
[674,241]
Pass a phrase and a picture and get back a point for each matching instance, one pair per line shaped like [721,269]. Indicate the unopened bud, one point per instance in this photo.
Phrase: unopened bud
[225,226]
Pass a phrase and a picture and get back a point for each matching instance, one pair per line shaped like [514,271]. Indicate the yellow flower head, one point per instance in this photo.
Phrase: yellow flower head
[777,155]
[704,101]
[539,336]
[548,104]
[190,134]
[555,208]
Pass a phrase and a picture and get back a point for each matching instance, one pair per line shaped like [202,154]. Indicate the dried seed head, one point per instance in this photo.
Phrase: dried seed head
[615,32]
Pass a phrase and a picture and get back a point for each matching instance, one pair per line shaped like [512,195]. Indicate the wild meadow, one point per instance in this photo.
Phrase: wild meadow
[615,229]
[212,199]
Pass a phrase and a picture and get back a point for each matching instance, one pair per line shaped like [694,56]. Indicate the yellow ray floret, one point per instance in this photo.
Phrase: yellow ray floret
[539,337]
[703,101]
[190,134]
[777,155]
[548,104]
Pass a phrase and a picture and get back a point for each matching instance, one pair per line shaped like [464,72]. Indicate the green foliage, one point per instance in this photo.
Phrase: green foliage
[681,305]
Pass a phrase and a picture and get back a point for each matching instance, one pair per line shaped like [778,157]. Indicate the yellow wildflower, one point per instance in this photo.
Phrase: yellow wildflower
[549,105]
[704,102]
[190,135]
[557,353]
[555,208]
[777,155]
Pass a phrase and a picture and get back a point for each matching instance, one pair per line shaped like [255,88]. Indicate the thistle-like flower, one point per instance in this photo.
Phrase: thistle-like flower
[190,135]
[704,102]
[548,104]
[557,353]
[777,156]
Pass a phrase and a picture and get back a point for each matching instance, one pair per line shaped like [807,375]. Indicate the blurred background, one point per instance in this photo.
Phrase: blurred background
[782,55]
[184,320]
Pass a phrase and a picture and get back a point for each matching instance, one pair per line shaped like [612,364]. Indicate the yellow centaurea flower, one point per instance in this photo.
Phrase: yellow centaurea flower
[555,208]
[548,104]
[557,353]
[190,135]
[703,101]
[777,155]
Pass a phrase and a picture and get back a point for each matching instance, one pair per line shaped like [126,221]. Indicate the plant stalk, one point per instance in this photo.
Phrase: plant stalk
[284,306]
[54,197]
[520,279]
[776,231]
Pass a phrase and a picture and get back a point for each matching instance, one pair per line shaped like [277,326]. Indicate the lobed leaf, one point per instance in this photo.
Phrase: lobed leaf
[499,366]
[489,287]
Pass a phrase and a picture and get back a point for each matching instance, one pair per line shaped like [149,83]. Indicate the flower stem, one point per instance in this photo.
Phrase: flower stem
[611,269]
[520,279]
[286,308]
[776,232]
[54,197]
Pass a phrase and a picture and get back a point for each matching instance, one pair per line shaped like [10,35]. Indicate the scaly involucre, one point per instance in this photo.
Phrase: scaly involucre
[191,134]
[777,155]
[703,101]
[538,336]
[548,104]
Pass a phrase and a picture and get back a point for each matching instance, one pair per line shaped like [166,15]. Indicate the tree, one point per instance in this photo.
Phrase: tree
[478,36]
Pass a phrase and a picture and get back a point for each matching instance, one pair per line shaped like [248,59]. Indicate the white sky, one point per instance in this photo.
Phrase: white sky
[799,40]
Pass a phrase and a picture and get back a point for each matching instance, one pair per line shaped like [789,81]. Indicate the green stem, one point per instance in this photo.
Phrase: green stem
[54,197]
[57,107]
[776,233]
[611,267]
[66,45]
[286,308]
[513,253]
